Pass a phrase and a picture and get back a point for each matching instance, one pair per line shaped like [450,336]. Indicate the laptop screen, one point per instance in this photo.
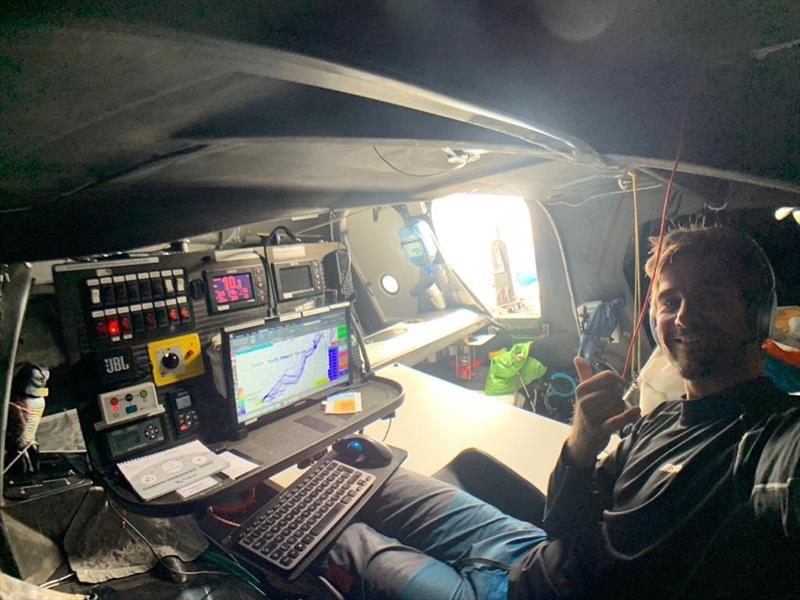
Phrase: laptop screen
[276,365]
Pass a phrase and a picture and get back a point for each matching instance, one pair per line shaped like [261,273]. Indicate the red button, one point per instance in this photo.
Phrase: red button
[113,327]
[150,319]
[125,323]
[173,315]
[100,328]
[114,401]
[185,314]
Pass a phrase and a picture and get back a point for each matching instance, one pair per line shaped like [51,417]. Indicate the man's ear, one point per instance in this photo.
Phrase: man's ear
[652,320]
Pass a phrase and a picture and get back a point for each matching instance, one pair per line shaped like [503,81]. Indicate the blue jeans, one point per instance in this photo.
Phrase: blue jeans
[422,539]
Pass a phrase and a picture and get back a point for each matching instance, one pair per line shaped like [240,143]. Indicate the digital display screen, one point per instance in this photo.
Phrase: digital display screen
[230,289]
[183,401]
[274,366]
[126,438]
[296,279]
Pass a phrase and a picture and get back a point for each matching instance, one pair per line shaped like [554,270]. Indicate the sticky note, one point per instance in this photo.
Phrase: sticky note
[196,487]
[344,403]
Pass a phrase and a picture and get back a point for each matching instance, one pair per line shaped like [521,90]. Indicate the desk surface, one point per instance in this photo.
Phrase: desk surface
[424,336]
[439,419]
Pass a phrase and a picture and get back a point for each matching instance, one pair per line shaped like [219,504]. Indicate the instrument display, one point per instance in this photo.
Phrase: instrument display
[230,289]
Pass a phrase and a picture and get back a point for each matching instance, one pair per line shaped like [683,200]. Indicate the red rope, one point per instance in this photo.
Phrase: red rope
[646,306]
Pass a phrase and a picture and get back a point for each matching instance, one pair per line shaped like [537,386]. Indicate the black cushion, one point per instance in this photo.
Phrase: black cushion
[490,480]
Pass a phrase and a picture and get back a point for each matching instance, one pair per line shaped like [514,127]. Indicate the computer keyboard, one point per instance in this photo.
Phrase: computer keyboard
[291,525]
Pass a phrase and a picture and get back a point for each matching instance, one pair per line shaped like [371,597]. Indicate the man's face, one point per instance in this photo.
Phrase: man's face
[701,318]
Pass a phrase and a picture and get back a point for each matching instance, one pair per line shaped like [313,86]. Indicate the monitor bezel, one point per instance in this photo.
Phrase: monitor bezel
[300,403]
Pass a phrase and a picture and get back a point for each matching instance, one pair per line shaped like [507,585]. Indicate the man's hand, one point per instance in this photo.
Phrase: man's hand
[599,411]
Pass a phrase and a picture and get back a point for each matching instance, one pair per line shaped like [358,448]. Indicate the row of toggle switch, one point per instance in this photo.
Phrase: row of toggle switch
[124,322]
[121,290]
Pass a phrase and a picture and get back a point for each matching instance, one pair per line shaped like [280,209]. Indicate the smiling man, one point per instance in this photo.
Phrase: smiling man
[701,500]
[713,297]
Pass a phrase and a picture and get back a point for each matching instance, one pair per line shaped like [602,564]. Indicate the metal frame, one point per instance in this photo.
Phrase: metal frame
[13,302]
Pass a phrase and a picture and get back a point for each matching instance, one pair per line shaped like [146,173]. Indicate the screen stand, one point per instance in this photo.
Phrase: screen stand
[239,433]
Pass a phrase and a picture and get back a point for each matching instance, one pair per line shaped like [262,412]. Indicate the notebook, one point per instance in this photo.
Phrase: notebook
[160,473]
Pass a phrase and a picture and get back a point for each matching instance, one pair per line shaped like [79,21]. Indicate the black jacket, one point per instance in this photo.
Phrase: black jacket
[702,500]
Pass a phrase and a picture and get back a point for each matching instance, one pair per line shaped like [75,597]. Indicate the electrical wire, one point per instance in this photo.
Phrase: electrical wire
[334,592]
[367,365]
[525,391]
[332,221]
[223,520]
[391,166]
[637,261]
[388,428]
[152,548]
[211,588]
[18,456]
[567,276]
[225,550]
[596,196]
[230,564]
[349,270]
[132,526]
[15,209]
[55,582]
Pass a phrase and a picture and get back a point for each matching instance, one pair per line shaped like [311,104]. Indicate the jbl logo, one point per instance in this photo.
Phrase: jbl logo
[115,364]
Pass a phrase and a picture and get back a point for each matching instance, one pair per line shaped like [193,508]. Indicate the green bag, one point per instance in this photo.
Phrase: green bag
[513,369]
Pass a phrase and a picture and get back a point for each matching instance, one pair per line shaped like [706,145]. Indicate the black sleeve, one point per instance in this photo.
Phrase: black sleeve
[577,496]
[571,561]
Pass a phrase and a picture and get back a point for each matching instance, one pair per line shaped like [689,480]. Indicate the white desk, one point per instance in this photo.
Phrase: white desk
[438,419]
[423,337]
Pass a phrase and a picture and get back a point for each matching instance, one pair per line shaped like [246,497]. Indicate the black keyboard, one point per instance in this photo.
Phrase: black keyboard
[291,525]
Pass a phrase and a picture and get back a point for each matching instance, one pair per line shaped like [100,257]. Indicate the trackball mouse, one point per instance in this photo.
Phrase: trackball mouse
[362,451]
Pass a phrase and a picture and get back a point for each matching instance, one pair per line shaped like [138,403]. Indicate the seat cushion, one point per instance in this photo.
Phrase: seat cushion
[486,478]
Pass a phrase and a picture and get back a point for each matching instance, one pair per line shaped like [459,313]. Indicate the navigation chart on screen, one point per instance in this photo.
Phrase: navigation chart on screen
[276,366]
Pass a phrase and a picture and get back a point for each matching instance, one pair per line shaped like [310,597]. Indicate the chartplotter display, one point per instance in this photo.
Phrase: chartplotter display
[273,366]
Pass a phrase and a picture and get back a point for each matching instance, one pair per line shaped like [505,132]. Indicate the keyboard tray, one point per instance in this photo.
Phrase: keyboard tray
[230,540]
[291,525]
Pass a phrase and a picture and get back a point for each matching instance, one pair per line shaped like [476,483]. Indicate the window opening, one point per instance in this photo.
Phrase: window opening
[488,241]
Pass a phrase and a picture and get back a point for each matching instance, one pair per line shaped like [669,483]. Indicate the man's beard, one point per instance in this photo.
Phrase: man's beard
[696,370]
[712,362]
